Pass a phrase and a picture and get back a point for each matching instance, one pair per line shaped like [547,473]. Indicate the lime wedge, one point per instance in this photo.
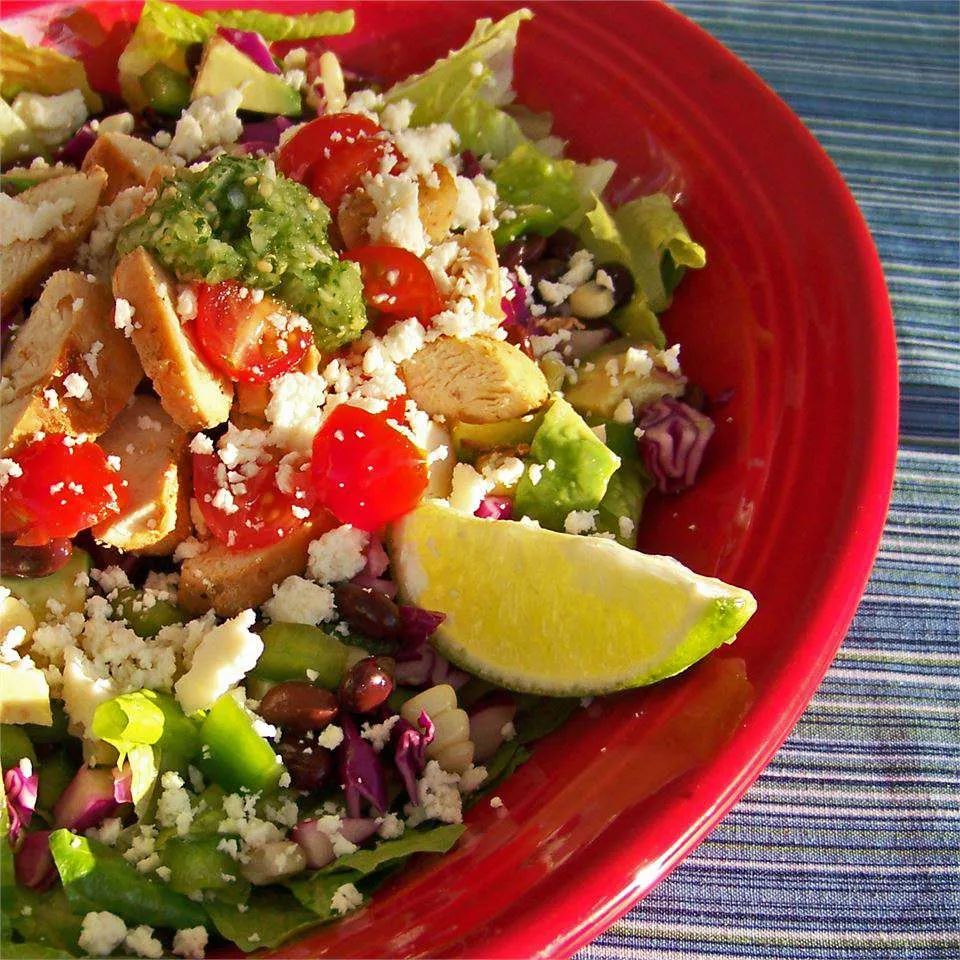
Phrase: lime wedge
[551,613]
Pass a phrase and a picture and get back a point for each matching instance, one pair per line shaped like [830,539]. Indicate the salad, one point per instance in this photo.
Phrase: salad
[330,408]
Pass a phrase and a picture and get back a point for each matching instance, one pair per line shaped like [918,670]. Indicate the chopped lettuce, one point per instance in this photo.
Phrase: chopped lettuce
[41,919]
[468,88]
[315,890]
[165,31]
[96,877]
[272,916]
[648,236]
[150,732]
[437,839]
[627,488]
[41,70]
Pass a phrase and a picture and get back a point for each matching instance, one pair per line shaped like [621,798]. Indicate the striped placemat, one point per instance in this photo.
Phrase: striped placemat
[848,846]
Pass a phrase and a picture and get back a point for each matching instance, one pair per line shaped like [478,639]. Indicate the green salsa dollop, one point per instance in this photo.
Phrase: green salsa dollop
[239,218]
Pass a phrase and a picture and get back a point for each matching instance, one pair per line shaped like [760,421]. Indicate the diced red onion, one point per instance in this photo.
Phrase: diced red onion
[265,131]
[77,147]
[122,784]
[673,442]
[377,559]
[314,842]
[358,829]
[89,798]
[417,624]
[20,784]
[252,45]
[33,862]
[582,342]
[495,508]
[488,717]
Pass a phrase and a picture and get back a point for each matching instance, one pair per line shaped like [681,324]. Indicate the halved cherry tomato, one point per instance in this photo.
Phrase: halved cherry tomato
[364,471]
[249,341]
[254,511]
[332,153]
[64,486]
[396,283]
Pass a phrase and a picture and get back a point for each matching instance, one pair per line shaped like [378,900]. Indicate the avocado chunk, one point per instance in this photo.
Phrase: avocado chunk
[17,140]
[147,621]
[600,389]
[61,586]
[224,67]
[627,489]
[569,468]
[470,440]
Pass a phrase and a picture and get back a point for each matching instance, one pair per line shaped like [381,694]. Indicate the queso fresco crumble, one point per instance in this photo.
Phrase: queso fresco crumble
[323,398]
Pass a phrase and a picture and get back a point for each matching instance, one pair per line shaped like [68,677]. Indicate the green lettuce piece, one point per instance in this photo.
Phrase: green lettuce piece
[315,891]
[41,70]
[388,852]
[627,488]
[30,951]
[567,189]
[278,26]
[96,877]
[148,730]
[165,31]
[468,88]
[49,922]
[272,916]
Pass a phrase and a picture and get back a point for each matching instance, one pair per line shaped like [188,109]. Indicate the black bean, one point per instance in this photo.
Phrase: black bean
[367,684]
[308,764]
[523,252]
[298,705]
[622,280]
[563,244]
[548,269]
[193,55]
[368,611]
[34,561]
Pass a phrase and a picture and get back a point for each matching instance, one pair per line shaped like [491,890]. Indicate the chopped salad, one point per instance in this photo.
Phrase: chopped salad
[330,407]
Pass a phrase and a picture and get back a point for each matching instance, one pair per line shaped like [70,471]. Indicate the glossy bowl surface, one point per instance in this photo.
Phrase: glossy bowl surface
[792,315]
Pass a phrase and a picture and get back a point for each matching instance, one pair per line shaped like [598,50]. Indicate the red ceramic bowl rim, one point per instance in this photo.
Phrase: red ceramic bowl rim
[612,878]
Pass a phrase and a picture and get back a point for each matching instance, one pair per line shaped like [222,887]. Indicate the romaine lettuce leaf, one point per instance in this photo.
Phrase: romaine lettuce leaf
[48,920]
[41,70]
[165,31]
[386,853]
[566,188]
[272,916]
[627,488]
[315,890]
[643,234]
[30,951]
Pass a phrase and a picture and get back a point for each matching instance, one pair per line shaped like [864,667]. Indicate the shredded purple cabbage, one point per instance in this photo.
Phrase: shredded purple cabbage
[76,148]
[33,862]
[495,508]
[418,662]
[410,751]
[673,442]
[20,784]
[251,45]
[417,624]
[516,314]
[360,771]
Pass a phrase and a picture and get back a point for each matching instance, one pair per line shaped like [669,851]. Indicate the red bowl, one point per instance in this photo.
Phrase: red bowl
[792,315]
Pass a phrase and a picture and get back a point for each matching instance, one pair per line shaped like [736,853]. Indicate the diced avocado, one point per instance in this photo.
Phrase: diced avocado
[24,695]
[291,649]
[568,469]
[472,439]
[14,746]
[224,67]
[17,140]
[168,90]
[61,586]
[600,389]
[147,621]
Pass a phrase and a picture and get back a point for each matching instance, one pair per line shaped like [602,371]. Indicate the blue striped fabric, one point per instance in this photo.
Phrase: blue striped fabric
[848,846]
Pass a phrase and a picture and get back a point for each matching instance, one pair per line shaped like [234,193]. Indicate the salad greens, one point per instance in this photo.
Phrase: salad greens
[40,70]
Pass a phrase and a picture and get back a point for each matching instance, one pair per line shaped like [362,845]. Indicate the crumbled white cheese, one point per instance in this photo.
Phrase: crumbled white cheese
[472,778]
[637,361]
[390,827]
[224,656]
[75,385]
[626,526]
[96,255]
[9,468]
[624,411]
[669,359]
[294,410]
[331,738]
[173,807]
[580,521]
[439,794]
[338,554]
[396,221]
[52,119]
[123,316]
[297,600]
[207,122]
[190,943]
[379,733]
[426,145]
[101,933]
[468,489]
[345,899]
[21,221]
[143,943]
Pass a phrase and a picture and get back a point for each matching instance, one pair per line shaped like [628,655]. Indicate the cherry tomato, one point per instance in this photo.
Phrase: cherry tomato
[396,283]
[332,153]
[365,472]
[63,487]
[249,341]
[253,511]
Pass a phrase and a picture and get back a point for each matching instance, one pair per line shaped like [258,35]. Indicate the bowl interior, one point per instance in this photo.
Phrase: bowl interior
[791,317]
